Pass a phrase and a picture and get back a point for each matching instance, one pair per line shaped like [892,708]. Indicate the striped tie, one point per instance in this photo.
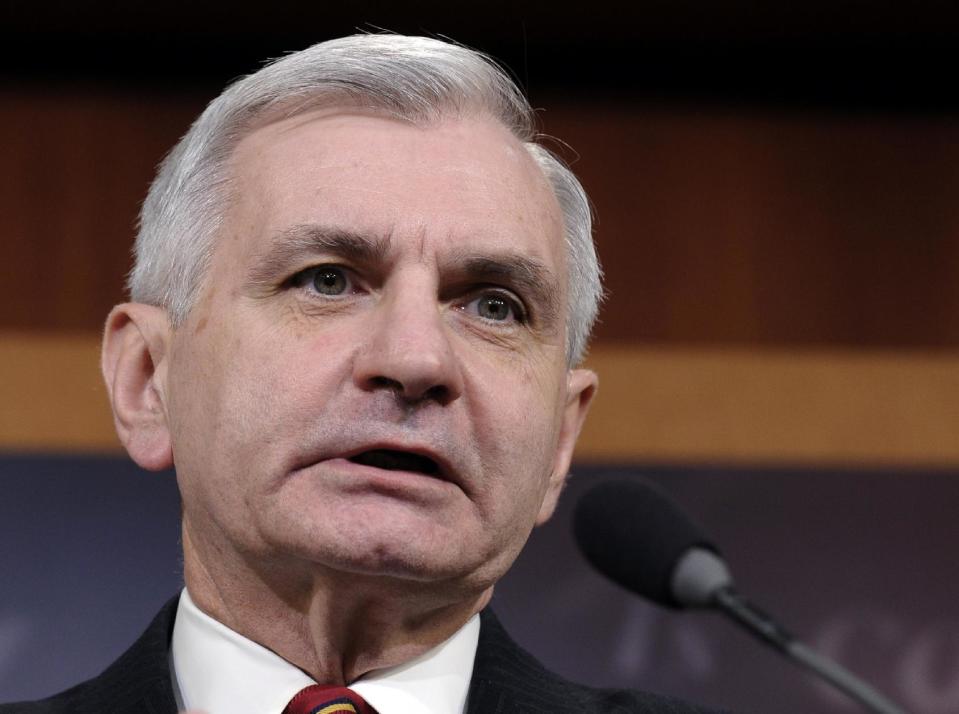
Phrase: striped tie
[323,699]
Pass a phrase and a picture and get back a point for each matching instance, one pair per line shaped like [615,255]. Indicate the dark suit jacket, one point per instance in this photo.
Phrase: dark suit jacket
[506,680]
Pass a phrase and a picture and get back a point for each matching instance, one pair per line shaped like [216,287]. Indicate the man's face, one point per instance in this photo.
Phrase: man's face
[374,378]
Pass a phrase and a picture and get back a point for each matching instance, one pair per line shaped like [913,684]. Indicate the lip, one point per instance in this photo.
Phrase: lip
[446,471]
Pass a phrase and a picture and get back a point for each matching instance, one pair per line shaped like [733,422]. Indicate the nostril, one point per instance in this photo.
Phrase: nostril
[414,371]
[385,383]
[439,393]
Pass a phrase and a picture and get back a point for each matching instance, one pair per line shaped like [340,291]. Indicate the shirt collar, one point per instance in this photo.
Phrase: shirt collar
[219,671]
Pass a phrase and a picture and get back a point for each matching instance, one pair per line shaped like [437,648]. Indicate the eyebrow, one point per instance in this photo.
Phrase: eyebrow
[295,243]
[529,277]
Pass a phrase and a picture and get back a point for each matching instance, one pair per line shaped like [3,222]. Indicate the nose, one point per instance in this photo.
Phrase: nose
[408,351]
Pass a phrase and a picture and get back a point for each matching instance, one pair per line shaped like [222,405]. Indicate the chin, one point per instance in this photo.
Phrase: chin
[394,559]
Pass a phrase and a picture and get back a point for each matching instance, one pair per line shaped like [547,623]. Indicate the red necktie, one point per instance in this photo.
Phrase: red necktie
[324,699]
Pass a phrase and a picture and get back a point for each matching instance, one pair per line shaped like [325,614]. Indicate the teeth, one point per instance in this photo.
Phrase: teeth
[396,461]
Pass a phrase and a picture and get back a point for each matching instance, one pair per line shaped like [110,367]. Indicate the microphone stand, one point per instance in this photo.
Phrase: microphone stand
[759,624]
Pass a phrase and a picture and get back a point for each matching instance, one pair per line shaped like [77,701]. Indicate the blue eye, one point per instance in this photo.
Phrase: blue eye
[497,307]
[493,307]
[329,280]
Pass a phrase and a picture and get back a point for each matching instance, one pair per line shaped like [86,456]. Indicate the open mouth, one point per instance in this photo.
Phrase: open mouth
[397,461]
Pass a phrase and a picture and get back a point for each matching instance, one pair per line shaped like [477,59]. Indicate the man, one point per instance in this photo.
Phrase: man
[360,296]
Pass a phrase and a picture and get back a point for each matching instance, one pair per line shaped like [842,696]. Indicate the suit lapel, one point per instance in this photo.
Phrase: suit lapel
[140,681]
[508,680]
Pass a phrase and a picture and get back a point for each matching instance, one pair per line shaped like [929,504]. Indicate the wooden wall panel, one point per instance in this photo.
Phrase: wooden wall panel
[716,228]
[72,176]
[773,229]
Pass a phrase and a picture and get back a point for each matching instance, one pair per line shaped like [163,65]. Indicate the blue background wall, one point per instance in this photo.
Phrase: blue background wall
[860,563]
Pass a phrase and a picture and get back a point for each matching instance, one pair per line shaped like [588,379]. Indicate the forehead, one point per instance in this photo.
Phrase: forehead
[464,183]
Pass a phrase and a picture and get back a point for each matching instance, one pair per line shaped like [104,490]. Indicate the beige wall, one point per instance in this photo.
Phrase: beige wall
[654,404]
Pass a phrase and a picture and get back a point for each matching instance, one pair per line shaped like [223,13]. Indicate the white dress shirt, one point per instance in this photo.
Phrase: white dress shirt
[218,671]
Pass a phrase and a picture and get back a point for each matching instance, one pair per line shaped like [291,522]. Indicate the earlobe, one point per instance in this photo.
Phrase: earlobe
[581,385]
[133,360]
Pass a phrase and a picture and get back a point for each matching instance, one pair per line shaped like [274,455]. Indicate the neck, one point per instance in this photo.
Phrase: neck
[334,626]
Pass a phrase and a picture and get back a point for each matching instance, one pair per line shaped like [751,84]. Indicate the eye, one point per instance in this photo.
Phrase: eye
[497,307]
[329,280]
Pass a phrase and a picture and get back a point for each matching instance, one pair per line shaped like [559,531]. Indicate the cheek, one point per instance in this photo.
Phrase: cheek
[265,393]
[241,404]
[224,390]
[516,417]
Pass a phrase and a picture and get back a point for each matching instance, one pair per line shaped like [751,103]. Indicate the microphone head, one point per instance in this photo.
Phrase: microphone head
[635,535]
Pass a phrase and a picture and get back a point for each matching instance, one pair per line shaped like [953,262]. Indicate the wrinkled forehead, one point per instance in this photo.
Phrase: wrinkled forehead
[464,180]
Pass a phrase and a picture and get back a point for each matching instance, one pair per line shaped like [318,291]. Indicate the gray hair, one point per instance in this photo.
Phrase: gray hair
[415,78]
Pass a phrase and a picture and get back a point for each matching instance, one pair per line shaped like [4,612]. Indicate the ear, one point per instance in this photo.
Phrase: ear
[581,385]
[135,345]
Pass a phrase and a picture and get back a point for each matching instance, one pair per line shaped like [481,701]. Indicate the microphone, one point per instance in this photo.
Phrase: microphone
[635,535]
